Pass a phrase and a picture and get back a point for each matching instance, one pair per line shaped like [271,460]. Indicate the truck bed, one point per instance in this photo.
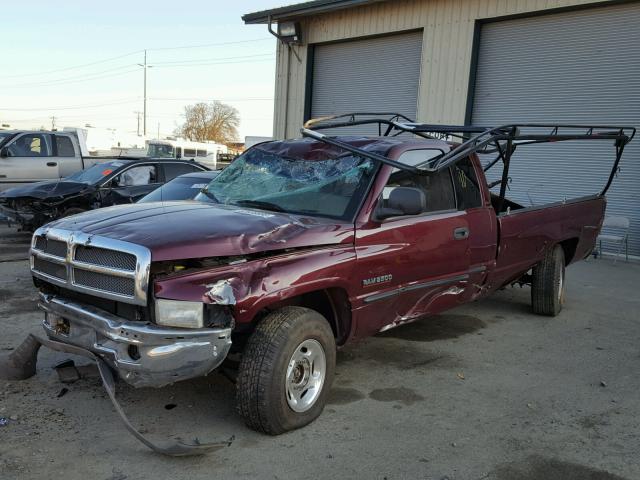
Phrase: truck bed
[526,233]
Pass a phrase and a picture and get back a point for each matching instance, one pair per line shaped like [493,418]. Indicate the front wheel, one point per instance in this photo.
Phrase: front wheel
[286,371]
[548,283]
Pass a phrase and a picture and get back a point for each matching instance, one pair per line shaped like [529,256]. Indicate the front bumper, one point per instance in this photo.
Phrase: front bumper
[17,215]
[143,355]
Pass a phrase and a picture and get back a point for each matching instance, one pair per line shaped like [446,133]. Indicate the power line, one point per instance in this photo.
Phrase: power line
[270,54]
[189,99]
[124,55]
[76,79]
[184,63]
[217,63]
[75,107]
[205,45]
[72,67]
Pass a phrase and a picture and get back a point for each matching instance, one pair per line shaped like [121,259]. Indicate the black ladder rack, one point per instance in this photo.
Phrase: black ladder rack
[502,140]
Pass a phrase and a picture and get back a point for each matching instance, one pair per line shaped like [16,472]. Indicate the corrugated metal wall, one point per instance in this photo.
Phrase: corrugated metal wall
[378,74]
[448,27]
[578,67]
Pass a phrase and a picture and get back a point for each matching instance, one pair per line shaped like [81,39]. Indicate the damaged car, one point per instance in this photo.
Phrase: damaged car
[301,247]
[109,183]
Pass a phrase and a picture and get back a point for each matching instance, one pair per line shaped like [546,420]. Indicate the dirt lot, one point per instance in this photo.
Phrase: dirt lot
[489,391]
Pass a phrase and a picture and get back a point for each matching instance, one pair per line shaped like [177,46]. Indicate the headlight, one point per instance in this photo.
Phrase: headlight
[176,313]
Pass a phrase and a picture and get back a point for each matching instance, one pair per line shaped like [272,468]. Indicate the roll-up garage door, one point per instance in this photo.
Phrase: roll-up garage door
[369,75]
[579,67]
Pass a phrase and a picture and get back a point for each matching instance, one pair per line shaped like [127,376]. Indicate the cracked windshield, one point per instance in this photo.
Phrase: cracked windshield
[260,179]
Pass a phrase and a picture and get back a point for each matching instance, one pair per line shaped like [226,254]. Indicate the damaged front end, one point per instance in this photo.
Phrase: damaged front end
[27,212]
[143,355]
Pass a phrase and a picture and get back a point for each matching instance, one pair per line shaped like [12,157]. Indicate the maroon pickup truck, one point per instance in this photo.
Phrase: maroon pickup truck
[302,246]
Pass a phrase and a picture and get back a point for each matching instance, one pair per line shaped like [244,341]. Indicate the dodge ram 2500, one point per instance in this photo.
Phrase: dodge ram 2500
[302,246]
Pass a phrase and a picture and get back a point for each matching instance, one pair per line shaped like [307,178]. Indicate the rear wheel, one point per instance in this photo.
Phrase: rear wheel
[286,371]
[548,283]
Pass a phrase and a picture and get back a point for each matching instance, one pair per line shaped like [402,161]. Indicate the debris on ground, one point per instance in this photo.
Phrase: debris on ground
[4,421]
[62,392]
[460,376]
[68,372]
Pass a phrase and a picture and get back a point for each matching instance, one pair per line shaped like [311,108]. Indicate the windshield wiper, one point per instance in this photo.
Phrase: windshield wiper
[261,204]
[210,195]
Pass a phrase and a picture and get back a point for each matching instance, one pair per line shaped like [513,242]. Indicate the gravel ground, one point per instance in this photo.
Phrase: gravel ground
[488,391]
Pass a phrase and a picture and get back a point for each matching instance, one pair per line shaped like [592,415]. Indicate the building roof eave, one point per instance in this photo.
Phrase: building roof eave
[302,9]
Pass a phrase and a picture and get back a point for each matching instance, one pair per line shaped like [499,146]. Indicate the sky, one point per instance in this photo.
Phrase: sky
[78,61]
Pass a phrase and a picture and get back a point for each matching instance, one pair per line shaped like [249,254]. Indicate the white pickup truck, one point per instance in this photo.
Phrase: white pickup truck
[32,156]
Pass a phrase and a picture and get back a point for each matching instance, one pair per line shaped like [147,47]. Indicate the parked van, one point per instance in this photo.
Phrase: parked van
[205,153]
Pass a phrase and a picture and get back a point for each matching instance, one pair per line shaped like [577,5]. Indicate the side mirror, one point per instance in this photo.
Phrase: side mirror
[403,201]
[4,152]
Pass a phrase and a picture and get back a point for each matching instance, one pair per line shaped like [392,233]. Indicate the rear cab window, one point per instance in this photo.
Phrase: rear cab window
[465,180]
[438,188]
[64,146]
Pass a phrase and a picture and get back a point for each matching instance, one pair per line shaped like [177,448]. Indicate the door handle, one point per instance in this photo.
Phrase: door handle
[52,164]
[461,233]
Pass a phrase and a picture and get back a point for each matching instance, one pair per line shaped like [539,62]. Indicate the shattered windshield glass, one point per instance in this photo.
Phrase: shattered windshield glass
[264,180]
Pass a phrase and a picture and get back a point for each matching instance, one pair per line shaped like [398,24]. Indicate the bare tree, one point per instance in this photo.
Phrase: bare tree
[210,121]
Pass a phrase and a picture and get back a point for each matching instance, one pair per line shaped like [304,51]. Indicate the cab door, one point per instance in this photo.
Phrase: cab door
[28,158]
[415,265]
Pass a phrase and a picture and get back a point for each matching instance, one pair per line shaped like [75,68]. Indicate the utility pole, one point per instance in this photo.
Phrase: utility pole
[138,115]
[144,116]
[158,130]
[53,122]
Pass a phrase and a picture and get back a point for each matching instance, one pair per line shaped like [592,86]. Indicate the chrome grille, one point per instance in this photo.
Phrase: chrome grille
[105,258]
[103,282]
[49,268]
[40,243]
[52,247]
[96,265]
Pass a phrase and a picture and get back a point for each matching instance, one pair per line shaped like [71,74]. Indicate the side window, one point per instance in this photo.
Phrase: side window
[201,153]
[173,170]
[466,184]
[64,146]
[189,152]
[31,145]
[142,175]
[438,188]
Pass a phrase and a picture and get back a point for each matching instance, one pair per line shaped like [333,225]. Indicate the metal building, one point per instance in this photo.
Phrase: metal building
[482,62]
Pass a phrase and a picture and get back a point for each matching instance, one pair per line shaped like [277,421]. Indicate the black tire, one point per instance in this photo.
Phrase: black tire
[548,283]
[261,387]
[72,211]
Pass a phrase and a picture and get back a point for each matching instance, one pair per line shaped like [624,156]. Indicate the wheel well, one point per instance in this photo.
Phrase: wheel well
[332,303]
[569,247]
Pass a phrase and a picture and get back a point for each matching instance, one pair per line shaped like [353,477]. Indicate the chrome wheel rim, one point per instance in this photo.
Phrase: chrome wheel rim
[305,375]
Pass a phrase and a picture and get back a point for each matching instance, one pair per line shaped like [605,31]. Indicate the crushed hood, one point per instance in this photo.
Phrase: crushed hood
[54,189]
[184,229]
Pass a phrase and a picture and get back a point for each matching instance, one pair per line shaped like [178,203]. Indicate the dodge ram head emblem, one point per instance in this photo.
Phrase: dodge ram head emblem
[372,281]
